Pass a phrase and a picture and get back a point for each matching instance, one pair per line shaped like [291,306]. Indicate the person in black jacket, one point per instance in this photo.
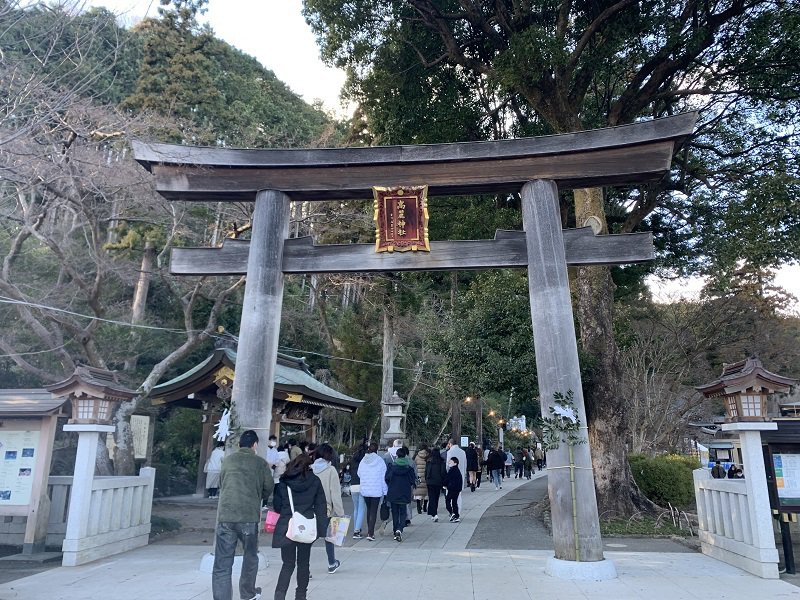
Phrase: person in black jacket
[453,483]
[309,499]
[400,477]
[472,465]
[434,477]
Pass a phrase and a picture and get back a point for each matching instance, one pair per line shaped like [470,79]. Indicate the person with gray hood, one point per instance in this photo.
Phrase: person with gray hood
[371,472]
[329,478]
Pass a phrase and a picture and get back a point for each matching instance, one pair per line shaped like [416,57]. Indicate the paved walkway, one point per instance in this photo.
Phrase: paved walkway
[435,560]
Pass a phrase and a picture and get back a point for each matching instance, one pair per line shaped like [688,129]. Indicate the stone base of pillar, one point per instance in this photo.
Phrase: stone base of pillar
[207,563]
[599,570]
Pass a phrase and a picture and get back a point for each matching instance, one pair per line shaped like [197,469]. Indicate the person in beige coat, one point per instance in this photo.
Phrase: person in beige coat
[323,469]
[421,489]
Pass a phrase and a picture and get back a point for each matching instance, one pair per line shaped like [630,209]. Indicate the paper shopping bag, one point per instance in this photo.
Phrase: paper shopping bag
[337,530]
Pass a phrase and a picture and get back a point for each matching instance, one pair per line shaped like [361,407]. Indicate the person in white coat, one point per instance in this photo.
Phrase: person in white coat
[212,469]
[372,473]
[323,469]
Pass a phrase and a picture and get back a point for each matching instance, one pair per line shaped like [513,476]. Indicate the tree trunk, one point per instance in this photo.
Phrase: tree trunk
[140,301]
[604,404]
[387,385]
[124,463]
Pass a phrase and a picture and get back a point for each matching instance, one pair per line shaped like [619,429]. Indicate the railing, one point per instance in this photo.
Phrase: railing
[722,508]
[58,489]
[12,529]
[116,518]
[730,530]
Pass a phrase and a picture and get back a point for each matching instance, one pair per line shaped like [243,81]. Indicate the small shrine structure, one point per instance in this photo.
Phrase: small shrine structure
[297,399]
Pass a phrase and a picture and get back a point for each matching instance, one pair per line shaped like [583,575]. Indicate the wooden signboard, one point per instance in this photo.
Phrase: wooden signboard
[401,218]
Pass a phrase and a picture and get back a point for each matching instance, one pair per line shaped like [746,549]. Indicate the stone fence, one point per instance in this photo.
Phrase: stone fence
[730,529]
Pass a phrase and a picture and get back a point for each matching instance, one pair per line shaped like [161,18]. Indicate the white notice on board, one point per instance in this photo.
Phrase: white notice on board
[17,462]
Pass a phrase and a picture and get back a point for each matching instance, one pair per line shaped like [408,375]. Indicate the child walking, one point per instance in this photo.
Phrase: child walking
[453,483]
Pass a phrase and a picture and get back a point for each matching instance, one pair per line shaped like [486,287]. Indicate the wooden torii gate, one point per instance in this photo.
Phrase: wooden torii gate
[539,167]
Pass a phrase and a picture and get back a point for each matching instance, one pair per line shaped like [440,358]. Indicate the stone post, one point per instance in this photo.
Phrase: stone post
[80,498]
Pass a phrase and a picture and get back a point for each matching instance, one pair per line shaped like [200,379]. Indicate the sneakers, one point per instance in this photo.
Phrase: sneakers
[332,568]
[258,594]
[456,520]
[357,535]
[435,518]
[452,517]
[398,537]
[370,538]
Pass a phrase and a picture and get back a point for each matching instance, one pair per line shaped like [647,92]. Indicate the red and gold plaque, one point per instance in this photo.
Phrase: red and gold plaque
[401,218]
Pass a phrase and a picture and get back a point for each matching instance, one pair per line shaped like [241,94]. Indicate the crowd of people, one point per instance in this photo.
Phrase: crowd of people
[302,477]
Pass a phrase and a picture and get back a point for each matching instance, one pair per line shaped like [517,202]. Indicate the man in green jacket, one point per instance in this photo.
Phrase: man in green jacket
[245,482]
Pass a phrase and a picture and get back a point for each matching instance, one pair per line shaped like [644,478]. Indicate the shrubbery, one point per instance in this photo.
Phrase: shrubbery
[665,479]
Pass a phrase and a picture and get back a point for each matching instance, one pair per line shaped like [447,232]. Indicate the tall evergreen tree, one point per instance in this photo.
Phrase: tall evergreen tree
[564,66]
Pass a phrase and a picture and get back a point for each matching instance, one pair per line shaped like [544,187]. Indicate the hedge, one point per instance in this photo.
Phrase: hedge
[665,479]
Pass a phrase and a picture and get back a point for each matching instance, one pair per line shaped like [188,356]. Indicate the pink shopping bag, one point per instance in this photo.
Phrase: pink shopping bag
[271,521]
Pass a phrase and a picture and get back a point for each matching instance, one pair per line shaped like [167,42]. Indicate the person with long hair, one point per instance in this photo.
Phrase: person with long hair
[421,487]
[372,473]
[359,505]
[309,499]
[435,471]
[333,494]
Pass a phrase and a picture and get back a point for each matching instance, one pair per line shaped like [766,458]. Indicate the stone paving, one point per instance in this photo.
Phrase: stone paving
[435,560]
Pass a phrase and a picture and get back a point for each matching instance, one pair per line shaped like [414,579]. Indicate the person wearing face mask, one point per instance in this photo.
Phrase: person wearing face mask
[272,452]
[453,483]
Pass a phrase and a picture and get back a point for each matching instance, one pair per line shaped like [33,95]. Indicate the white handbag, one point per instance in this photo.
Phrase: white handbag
[301,529]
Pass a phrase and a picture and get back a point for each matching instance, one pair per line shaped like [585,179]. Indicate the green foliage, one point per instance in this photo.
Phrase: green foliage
[217,94]
[358,341]
[177,439]
[665,479]
[488,342]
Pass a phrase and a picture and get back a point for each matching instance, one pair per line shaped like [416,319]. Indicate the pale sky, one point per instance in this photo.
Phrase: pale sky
[275,32]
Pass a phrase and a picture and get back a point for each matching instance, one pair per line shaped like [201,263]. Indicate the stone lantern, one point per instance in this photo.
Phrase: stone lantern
[393,413]
[744,386]
[94,394]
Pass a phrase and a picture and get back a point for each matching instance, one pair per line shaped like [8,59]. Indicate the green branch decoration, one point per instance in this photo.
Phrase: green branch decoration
[563,424]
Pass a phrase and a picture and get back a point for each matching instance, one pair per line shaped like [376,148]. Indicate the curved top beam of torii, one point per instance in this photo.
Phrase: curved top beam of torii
[627,154]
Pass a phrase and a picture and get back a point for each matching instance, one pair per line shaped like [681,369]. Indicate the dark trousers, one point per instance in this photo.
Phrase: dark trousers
[372,513]
[539,463]
[433,499]
[228,534]
[399,515]
[518,470]
[291,554]
[451,502]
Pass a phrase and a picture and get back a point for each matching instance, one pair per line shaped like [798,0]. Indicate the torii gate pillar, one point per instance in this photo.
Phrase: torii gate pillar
[576,527]
[257,351]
